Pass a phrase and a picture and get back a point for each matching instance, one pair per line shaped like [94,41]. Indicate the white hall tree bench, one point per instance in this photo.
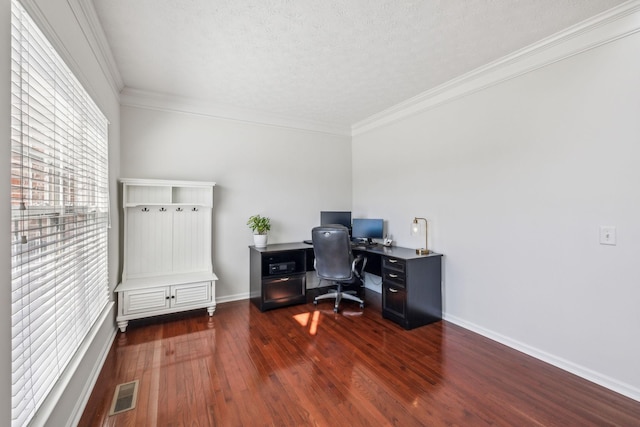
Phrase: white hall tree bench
[168,232]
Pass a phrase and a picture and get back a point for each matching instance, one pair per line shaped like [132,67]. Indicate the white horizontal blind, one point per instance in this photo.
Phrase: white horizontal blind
[59,212]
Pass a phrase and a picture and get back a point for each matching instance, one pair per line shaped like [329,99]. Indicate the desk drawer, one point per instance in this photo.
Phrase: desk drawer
[394,302]
[395,277]
[389,263]
[281,289]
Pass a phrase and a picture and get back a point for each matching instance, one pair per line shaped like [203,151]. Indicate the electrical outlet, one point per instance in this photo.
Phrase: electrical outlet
[607,235]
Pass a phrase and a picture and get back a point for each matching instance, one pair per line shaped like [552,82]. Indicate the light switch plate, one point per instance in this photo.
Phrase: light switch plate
[607,235]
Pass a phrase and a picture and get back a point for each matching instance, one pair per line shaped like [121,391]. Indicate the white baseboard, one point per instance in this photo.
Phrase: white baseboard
[566,365]
[78,410]
[235,297]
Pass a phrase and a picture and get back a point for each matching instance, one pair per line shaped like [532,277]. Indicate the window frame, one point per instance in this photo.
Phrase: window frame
[59,217]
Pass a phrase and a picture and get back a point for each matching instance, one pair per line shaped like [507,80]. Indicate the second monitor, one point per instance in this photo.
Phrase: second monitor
[336,217]
[367,229]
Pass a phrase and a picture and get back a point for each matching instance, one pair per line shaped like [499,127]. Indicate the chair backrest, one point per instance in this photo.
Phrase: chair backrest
[332,248]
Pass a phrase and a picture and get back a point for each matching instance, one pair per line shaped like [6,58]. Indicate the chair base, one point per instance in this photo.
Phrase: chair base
[339,294]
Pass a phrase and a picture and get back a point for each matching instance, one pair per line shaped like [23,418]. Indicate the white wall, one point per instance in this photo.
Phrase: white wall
[59,19]
[285,174]
[516,179]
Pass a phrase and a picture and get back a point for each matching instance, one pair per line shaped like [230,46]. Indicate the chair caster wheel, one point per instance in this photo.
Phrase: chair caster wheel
[335,309]
[315,303]
[361,305]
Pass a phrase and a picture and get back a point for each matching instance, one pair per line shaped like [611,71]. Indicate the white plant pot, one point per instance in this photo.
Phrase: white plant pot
[260,240]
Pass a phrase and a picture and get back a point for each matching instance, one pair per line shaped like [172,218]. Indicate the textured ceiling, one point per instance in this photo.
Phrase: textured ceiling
[331,61]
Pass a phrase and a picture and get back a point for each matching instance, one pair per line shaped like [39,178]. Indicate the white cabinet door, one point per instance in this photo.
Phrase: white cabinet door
[193,294]
[146,300]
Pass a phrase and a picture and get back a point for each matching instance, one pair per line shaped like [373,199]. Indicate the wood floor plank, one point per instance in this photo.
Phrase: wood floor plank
[305,365]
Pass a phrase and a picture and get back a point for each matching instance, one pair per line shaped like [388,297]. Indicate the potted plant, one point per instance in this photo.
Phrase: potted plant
[259,225]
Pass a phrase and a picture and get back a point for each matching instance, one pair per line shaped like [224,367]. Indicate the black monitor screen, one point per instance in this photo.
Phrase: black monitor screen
[336,217]
[367,228]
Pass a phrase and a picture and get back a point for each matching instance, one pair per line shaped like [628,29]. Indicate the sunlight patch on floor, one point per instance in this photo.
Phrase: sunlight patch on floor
[307,319]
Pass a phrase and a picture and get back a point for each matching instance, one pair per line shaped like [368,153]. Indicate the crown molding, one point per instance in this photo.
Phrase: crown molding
[91,34]
[87,18]
[176,104]
[616,23]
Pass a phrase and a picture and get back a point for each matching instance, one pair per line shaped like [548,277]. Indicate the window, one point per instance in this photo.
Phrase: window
[59,213]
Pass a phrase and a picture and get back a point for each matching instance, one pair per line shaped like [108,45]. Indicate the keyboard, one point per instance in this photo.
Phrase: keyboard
[360,245]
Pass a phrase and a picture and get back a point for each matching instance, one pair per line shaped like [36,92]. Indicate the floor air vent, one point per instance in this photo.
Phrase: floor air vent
[124,397]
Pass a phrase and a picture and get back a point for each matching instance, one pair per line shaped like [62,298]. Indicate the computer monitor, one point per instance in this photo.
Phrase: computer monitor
[336,217]
[367,229]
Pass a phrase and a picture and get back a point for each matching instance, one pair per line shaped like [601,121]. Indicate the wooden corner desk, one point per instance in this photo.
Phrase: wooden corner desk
[411,283]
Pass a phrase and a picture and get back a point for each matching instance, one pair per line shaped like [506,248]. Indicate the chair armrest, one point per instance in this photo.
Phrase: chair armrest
[360,258]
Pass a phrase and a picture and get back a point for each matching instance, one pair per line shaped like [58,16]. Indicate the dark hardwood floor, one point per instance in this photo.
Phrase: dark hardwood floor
[300,366]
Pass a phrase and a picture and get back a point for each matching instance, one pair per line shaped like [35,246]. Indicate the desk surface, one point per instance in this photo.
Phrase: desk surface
[394,251]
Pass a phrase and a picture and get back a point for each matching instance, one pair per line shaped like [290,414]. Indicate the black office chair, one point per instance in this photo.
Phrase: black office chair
[335,262]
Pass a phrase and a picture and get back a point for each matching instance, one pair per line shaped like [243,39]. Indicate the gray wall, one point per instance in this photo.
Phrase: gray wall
[285,174]
[516,178]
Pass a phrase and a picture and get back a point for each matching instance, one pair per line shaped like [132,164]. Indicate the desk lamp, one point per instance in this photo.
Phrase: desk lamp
[415,229]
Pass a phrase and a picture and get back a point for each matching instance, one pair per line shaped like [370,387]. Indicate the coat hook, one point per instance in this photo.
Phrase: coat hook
[162,209]
[194,209]
[179,210]
[145,210]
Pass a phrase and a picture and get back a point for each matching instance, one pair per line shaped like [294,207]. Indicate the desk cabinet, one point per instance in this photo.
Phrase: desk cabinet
[278,276]
[411,290]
